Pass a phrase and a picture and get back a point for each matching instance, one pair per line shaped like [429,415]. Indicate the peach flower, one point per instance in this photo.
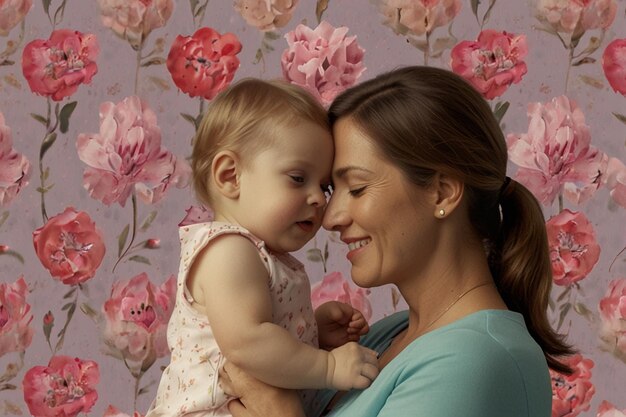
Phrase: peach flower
[576,16]
[133,20]
[12,12]
[204,63]
[614,65]
[613,318]
[266,14]
[573,247]
[418,16]
[556,151]
[615,180]
[492,63]
[14,167]
[197,214]
[70,246]
[57,66]
[64,388]
[607,409]
[15,317]
[136,318]
[126,155]
[322,60]
[571,394]
[334,287]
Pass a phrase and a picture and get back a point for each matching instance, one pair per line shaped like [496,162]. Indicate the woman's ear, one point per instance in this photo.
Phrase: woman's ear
[225,173]
[449,192]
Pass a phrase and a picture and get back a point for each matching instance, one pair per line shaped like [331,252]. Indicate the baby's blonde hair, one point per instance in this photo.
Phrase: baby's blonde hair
[243,119]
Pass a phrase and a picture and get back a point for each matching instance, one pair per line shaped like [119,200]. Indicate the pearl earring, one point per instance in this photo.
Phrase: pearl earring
[442,212]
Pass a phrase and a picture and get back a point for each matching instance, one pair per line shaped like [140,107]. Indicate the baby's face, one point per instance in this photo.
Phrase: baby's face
[284,188]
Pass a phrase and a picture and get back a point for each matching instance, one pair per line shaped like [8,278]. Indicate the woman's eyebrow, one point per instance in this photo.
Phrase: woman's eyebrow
[343,171]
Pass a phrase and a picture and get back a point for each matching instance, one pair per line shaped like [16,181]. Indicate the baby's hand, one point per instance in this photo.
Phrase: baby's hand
[351,366]
[339,323]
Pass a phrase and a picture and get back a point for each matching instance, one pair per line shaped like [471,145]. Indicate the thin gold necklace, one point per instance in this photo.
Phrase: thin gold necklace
[453,303]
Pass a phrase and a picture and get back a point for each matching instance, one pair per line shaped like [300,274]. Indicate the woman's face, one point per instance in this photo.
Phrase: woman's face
[387,222]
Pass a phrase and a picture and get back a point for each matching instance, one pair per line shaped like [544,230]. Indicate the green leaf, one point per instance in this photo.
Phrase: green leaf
[4,217]
[200,10]
[47,143]
[148,221]
[271,35]
[193,4]
[158,60]
[314,255]
[64,116]
[474,4]
[258,56]
[500,110]
[121,240]
[320,8]
[564,310]
[39,118]
[69,293]
[66,306]
[190,119]
[620,117]
[585,60]
[139,258]
[46,6]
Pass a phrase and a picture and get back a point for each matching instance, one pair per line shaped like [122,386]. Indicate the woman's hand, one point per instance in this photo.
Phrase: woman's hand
[255,398]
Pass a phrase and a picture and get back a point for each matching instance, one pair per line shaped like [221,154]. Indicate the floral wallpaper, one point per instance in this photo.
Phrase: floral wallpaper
[99,102]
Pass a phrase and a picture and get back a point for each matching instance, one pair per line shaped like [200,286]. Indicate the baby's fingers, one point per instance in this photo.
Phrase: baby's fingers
[369,372]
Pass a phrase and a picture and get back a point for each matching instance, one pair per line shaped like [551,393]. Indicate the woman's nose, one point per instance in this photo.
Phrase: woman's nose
[335,215]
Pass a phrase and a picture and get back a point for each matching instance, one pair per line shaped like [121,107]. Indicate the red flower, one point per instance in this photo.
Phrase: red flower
[64,388]
[573,247]
[492,63]
[57,66]
[70,246]
[571,394]
[614,65]
[205,63]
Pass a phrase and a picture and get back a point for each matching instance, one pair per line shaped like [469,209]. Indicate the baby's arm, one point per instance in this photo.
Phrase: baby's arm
[234,286]
[339,323]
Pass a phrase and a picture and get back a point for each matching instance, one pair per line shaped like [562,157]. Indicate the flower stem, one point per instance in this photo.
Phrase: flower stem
[137,381]
[569,66]
[427,49]
[132,234]
[139,49]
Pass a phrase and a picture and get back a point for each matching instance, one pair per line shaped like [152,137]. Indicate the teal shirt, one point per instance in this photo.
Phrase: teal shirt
[484,365]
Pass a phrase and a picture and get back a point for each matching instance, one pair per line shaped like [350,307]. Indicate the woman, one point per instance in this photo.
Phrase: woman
[422,199]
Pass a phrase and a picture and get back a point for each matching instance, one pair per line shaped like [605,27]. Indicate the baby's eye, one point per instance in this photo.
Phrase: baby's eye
[297,178]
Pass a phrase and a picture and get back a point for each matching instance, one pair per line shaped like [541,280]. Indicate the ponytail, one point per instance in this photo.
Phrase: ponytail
[523,274]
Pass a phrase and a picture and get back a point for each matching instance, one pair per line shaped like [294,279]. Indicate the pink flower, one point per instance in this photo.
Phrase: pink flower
[64,388]
[607,409]
[334,287]
[418,16]
[197,214]
[492,63]
[114,412]
[136,318]
[323,60]
[613,318]
[70,246]
[266,14]
[57,66]
[12,12]
[573,247]
[576,16]
[14,167]
[127,156]
[15,317]
[205,63]
[48,319]
[133,20]
[615,180]
[556,151]
[572,394]
[614,65]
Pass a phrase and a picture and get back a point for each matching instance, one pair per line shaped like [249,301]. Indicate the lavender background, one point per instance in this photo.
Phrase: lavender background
[547,64]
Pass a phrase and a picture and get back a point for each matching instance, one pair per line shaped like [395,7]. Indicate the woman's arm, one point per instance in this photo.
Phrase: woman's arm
[255,398]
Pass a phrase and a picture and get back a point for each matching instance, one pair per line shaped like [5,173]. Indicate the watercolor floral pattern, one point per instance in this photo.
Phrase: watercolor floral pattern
[94,121]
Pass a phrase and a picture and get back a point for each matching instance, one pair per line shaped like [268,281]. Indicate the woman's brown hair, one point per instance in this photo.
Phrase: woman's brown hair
[427,120]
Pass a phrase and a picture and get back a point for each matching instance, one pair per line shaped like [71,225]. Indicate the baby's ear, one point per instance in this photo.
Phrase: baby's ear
[225,173]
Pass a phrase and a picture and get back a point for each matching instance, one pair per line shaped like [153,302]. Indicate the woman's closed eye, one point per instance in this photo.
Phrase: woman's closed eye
[355,192]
